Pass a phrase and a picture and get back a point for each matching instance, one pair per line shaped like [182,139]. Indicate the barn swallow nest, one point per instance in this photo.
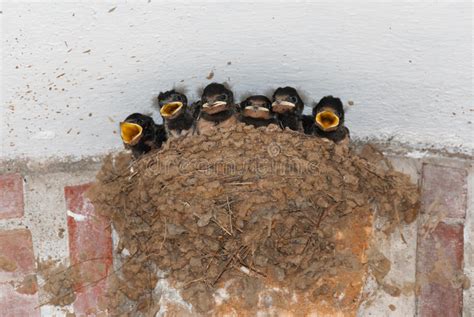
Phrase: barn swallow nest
[242,209]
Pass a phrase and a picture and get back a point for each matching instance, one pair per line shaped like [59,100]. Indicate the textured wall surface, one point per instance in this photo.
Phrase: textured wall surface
[72,71]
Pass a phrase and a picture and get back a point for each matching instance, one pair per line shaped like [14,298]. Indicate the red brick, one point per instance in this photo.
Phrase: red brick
[440,253]
[11,196]
[444,190]
[17,260]
[16,254]
[90,243]
[439,263]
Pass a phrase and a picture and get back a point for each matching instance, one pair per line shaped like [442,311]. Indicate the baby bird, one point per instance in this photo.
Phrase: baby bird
[140,134]
[288,106]
[328,117]
[177,116]
[216,108]
[256,111]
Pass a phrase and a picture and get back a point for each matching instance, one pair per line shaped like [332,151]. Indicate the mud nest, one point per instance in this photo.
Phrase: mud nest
[257,207]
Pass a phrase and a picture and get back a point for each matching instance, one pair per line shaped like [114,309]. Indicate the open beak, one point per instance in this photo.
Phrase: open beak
[257,112]
[170,109]
[214,107]
[282,106]
[327,120]
[130,132]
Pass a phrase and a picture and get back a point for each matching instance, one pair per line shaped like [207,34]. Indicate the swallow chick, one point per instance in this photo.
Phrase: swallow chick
[216,108]
[257,111]
[177,116]
[140,134]
[328,117]
[288,106]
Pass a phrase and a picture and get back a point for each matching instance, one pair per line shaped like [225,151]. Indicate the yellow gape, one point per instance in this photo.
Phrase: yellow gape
[327,120]
[130,132]
[171,108]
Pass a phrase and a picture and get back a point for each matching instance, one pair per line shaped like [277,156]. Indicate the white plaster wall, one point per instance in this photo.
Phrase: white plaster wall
[72,71]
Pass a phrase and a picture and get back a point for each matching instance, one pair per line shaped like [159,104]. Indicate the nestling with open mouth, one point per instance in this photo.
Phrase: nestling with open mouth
[328,117]
[140,134]
[288,106]
[257,111]
[216,108]
[178,117]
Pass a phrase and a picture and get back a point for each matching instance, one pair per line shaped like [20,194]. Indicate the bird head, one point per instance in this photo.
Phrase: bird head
[287,100]
[135,128]
[216,98]
[172,103]
[329,113]
[257,107]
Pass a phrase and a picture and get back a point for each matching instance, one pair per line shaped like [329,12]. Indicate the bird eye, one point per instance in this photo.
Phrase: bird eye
[223,97]
[292,99]
[178,98]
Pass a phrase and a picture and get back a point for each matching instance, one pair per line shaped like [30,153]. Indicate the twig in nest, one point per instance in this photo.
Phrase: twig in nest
[222,227]
[249,267]
[241,183]
[332,197]
[139,216]
[304,249]
[310,220]
[223,270]
[323,212]
[230,215]
[228,202]
[243,253]
[132,176]
[209,264]
[150,290]
[164,235]
[193,281]
[371,171]
[320,218]
[112,179]
[347,213]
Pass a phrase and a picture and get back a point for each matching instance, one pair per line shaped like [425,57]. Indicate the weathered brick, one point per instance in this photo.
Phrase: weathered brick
[16,254]
[439,267]
[441,241]
[444,190]
[90,245]
[17,261]
[11,196]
